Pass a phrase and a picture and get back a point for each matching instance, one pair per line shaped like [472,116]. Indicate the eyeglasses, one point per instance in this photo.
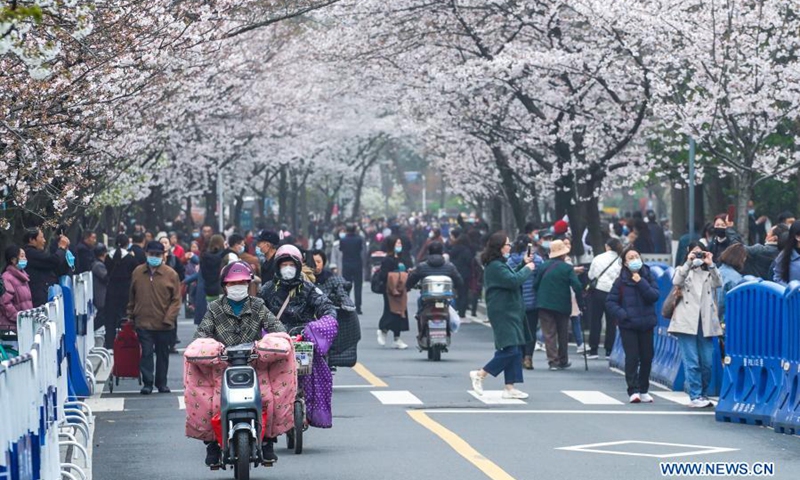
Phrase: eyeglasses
[507,245]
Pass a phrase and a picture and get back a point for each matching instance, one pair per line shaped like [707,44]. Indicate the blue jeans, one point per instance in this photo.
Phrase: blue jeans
[697,352]
[508,361]
[577,332]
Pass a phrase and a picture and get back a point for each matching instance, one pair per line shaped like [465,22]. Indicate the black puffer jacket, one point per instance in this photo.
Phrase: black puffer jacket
[435,265]
[633,304]
[308,303]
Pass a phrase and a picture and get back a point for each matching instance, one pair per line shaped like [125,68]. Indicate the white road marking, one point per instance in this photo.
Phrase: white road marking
[397,397]
[696,449]
[591,397]
[105,404]
[571,412]
[495,397]
[678,397]
[181,403]
[346,387]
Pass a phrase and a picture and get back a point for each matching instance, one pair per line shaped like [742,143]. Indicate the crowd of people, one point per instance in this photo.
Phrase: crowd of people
[150,278]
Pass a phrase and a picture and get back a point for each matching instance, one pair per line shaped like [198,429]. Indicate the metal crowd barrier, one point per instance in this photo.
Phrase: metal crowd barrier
[40,390]
[759,337]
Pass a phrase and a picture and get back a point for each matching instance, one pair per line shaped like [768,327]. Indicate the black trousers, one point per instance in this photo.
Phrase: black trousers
[358,285]
[462,300]
[597,307]
[638,346]
[532,317]
[158,342]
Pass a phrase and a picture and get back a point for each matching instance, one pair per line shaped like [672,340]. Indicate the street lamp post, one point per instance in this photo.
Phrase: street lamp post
[691,187]
[220,200]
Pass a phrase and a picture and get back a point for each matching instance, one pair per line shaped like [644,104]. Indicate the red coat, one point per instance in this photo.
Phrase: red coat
[17,297]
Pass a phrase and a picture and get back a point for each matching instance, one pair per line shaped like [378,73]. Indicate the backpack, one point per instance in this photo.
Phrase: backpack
[376,284]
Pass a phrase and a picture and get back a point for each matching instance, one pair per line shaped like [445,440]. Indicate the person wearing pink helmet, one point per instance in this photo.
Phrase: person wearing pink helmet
[233,319]
[303,308]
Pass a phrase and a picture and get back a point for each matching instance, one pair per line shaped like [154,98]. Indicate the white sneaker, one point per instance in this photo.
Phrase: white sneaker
[700,403]
[477,382]
[539,347]
[399,344]
[381,338]
[635,398]
[514,394]
[583,348]
[646,398]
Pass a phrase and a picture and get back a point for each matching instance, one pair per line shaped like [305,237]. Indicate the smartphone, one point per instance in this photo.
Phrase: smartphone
[530,250]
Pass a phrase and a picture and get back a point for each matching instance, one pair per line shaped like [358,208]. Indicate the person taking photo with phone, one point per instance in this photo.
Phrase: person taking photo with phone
[695,321]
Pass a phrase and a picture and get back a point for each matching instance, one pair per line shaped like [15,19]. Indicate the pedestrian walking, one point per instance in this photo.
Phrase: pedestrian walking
[266,246]
[631,302]
[393,275]
[462,256]
[695,321]
[516,259]
[84,252]
[552,284]
[120,264]
[136,247]
[787,264]
[153,306]
[211,265]
[99,284]
[506,311]
[575,315]
[17,296]
[44,268]
[352,267]
[603,272]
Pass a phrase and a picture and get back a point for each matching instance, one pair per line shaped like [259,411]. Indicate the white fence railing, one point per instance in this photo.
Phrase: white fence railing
[40,389]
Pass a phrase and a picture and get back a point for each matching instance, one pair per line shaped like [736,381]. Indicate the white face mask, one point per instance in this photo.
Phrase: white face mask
[696,263]
[288,272]
[237,293]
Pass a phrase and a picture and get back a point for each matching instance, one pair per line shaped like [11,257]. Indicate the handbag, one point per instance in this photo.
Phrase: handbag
[376,284]
[668,309]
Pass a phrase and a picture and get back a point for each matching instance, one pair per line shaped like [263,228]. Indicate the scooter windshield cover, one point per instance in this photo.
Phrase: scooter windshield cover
[240,378]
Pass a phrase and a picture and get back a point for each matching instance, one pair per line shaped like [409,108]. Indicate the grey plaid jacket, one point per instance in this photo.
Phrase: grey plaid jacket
[223,326]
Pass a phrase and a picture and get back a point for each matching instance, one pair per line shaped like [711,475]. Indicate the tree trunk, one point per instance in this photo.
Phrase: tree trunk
[303,220]
[713,187]
[509,185]
[797,209]
[360,189]
[282,195]
[744,192]
[237,209]
[293,203]
[680,212]
[211,205]
[189,219]
[496,213]
[535,213]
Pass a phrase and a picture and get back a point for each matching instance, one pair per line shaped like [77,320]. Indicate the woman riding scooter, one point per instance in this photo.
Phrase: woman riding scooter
[299,304]
[234,319]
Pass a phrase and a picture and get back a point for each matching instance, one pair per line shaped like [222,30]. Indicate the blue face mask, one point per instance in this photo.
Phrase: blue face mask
[341,235]
[22,264]
[195,234]
[398,249]
[70,259]
[536,238]
[154,261]
[635,265]
[506,255]
[546,244]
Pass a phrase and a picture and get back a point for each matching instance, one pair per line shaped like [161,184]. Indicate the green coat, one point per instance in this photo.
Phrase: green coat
[504,304]
[552,286]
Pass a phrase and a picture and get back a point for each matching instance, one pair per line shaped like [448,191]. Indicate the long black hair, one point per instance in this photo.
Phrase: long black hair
[791,244]
[494,247]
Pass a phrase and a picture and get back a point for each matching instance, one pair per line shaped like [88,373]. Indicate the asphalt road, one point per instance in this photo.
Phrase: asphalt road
[401,416]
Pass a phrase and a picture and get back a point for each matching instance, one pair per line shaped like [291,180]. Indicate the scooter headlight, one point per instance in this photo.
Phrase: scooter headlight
[241,378]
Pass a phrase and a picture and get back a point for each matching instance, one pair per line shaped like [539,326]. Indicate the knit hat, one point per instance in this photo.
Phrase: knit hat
[560,227]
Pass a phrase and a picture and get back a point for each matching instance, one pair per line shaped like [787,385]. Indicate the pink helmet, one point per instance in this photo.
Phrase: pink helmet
[236,272]
[288,251]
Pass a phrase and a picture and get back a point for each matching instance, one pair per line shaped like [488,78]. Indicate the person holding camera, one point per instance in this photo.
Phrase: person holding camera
[695,321]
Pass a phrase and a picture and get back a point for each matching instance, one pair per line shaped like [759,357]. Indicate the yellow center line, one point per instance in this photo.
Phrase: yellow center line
[368,376]
[489,468]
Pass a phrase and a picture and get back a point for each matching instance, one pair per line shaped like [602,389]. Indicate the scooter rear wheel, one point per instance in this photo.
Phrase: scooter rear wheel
[436,353]
[241,467]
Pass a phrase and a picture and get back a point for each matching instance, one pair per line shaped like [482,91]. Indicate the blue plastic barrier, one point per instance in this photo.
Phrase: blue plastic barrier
[666,369]
[786,418]
[754,336]
[78,384]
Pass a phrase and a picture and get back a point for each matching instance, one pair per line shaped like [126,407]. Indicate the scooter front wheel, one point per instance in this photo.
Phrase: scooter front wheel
[299,424]
[241,467]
